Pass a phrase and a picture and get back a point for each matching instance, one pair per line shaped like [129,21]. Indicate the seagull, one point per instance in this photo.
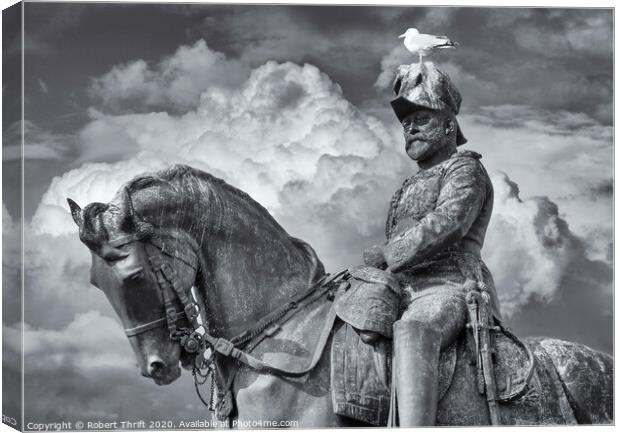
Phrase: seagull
[422,44]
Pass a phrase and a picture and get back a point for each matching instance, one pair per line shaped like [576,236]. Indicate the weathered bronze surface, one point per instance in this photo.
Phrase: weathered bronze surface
[435,231]
[245,266]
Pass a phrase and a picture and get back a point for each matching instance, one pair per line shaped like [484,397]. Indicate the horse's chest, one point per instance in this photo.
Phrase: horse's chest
[263,396]
[419,196]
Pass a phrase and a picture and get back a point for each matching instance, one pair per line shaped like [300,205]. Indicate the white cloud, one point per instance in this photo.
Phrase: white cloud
[272,130]
[177,80]
[561,155]
[528,246]
[79,344]
[56,276]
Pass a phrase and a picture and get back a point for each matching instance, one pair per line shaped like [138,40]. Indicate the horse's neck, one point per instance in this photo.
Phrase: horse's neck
[254,267]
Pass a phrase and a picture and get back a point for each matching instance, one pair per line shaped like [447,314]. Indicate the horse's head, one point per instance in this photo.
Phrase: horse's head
[147,275]
[190,235]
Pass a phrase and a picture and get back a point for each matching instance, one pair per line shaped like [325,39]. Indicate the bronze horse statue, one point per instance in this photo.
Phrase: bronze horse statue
[181,250]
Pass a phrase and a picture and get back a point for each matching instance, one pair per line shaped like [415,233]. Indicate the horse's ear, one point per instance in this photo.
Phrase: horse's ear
[76,213]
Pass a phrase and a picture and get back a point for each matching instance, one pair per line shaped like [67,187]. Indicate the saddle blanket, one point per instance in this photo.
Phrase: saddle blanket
[361,376]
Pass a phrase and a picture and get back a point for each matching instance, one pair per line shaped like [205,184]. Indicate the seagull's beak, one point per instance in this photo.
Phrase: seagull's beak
[402,36]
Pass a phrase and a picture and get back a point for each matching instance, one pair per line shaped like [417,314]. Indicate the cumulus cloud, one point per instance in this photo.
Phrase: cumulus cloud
[528,246]
[177,80]
[56,273]
[562,155]
[279,127]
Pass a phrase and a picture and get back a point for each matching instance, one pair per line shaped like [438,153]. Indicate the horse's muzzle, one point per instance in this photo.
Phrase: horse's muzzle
[161,373]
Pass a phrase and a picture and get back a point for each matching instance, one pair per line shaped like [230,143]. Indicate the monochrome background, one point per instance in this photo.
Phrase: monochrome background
[291,104]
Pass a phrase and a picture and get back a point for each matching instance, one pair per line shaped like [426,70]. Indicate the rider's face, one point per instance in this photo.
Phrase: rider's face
[425,135]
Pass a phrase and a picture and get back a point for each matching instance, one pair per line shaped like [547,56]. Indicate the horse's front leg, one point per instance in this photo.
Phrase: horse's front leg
[266,401]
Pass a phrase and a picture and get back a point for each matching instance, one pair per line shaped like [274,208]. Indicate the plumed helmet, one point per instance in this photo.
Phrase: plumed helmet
[425,86]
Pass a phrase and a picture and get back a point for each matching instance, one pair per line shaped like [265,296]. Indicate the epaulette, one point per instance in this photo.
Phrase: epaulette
[467,154]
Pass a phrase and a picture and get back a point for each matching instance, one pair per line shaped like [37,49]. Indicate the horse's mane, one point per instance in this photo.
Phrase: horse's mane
[177,174]
[178,177]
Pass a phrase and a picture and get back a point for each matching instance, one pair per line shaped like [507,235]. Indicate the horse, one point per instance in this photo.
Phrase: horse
[182,247]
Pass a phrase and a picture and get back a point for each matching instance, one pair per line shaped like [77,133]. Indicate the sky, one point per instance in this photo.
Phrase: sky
[291,104]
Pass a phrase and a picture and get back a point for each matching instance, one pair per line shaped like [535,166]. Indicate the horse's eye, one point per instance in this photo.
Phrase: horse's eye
[114,259]
[113,255]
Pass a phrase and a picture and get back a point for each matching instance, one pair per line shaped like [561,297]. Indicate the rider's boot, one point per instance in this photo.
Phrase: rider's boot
[416,362]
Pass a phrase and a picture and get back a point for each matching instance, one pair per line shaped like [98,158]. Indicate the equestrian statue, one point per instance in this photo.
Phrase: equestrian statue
[203,277]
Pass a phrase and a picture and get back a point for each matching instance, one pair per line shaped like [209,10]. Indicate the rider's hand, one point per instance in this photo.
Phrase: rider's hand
[373,256]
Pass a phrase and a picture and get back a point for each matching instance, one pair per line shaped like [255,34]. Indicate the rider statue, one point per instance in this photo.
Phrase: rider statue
[435,230]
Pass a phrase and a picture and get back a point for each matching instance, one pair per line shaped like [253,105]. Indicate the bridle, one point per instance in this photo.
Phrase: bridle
[197,340]
[191,340]
[169,287]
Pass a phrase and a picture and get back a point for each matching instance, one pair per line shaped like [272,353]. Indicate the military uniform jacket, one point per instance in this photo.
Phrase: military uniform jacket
[437,223]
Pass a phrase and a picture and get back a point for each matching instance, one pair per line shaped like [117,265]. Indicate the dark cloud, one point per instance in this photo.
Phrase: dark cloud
[544,276]
[547,58]
[604,189]
[37,143]
[11,65]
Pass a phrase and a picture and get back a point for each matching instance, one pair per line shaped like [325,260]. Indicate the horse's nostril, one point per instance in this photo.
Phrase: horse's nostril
[156,366]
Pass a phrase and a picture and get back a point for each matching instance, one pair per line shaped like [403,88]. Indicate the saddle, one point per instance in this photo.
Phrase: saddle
[368,300]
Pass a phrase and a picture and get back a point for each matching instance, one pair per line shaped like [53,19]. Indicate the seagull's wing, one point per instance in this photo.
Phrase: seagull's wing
[432,42]
[423,43]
